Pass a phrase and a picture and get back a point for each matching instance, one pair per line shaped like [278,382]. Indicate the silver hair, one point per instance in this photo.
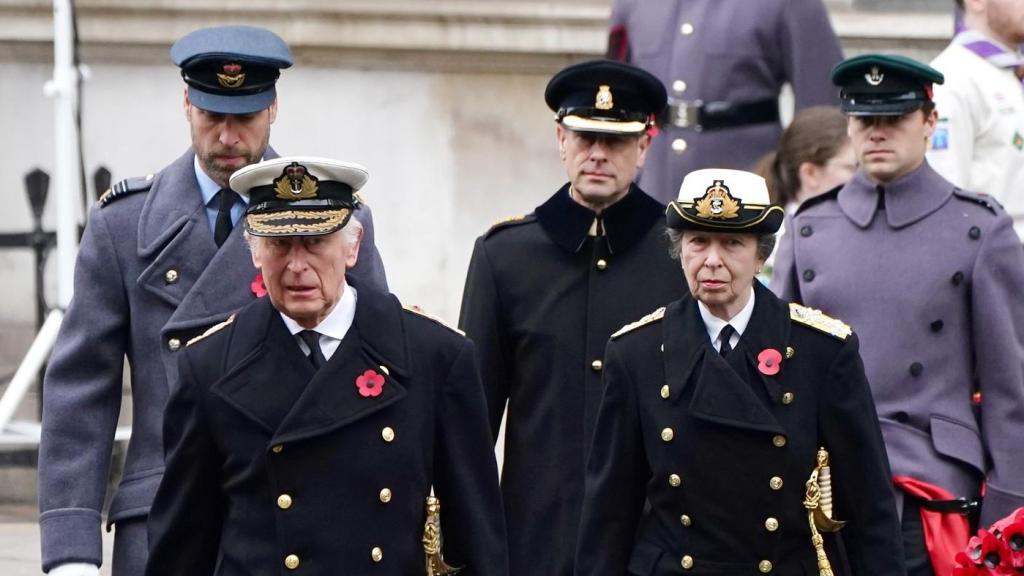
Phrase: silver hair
[350,233]
[765,244]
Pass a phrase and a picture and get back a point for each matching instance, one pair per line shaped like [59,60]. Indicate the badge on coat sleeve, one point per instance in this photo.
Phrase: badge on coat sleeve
[1018,141]
[940,139]
[370,384]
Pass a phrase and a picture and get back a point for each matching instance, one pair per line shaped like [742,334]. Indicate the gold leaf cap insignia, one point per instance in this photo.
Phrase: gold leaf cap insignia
[717,203]
[819,321]
[648,319]
[296,183]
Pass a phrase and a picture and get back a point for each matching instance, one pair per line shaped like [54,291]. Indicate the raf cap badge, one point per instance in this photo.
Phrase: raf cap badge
[603,100]
[875,76]
[295,183]
[717,202]
[231,75]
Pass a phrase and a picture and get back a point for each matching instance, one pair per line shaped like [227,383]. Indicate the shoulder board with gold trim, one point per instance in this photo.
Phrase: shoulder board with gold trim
[126,187]
[652,317]
[510,221]
[212,330]
[982,199]
[420,312]
[819,321]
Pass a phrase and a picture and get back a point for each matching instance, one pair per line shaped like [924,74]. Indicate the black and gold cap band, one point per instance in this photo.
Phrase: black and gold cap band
[720,200]
[298,196]
[605,96]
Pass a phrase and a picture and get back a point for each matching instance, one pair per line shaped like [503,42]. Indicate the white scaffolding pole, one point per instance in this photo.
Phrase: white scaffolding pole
[68,195]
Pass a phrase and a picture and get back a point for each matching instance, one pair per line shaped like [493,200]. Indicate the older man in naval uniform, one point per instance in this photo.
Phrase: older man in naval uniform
[159,263]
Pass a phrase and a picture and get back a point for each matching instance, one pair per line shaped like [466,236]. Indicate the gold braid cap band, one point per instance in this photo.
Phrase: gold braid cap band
[318,221]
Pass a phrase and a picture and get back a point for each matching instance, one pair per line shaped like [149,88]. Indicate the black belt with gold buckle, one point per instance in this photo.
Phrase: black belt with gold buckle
[698,115]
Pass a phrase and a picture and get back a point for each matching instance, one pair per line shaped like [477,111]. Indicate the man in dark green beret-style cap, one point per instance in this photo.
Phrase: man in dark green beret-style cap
[931,276]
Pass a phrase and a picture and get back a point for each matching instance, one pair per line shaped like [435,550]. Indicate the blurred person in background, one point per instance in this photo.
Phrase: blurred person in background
[814,156]
[724,63]
[978,142]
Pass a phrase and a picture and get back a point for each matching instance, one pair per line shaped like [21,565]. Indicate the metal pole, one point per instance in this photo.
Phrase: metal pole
[67,169]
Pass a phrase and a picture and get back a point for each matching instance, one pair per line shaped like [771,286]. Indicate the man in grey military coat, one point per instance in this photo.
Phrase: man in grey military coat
[160,262]
[724,63]
[930,276]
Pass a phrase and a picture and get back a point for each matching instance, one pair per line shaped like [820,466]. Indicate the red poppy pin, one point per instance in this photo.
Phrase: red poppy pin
[769,361]
[257,286]
[370,384]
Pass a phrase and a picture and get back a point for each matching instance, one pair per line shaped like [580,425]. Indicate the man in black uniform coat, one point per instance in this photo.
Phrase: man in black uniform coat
[305,434]
[545,290]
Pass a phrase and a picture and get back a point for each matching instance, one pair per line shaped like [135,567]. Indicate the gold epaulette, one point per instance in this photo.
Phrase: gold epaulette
[819,321]
[510,221]
[420,312]
[212,330]
[652,317]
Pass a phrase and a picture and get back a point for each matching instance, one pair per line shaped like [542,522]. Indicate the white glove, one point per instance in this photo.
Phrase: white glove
[75,569]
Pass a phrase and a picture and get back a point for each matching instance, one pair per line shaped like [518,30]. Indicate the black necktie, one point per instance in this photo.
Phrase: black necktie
[316,355]
[226,199]
[724,336]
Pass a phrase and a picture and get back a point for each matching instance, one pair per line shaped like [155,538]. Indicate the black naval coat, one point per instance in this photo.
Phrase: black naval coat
[720,452]
[541,299]
[273,468]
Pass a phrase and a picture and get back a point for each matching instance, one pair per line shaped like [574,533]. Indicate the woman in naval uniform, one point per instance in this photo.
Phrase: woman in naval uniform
[737,434]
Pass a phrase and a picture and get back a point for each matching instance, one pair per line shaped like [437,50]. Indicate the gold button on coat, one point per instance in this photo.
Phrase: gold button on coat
[787,398]
[376,554]
[277,448]
[291,561]
[667,434]
[385,495]
[597,365]
[679,145]
[775,483]
[686,29]
[675,481]
[388,434]
[679,86]
[173,344]
[284,501]
[779,440]
[685,520]
[171,276]
[687,562]
[771,524]
[666,391]
[602,264]
[765,566]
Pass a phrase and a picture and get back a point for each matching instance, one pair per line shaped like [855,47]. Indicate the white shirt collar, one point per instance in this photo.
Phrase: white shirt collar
[713,324]
[332,328]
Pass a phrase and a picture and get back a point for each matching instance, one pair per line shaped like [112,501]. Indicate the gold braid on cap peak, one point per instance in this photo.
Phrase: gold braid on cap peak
[327,220]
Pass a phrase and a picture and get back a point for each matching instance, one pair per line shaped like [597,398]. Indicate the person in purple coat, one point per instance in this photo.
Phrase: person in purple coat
[724,63]
[930,276]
